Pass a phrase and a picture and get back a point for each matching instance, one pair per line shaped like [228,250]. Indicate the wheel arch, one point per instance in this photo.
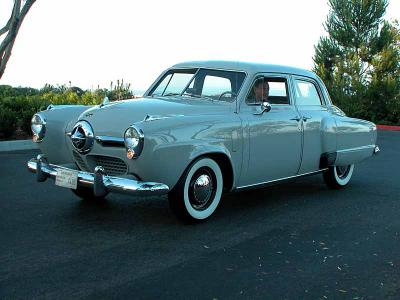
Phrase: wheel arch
[224,162]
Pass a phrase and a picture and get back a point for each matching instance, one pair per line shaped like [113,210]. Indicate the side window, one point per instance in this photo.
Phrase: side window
[271,89]
[214,86]
[306,93]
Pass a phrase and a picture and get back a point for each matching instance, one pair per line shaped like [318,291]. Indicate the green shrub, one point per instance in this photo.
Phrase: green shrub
[18,105]
[8,122]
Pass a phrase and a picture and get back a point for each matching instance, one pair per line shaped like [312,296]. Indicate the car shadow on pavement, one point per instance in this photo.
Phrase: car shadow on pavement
[123,212]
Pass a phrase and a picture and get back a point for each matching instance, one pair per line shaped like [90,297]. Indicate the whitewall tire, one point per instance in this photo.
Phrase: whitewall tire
[198,192]
[338,176]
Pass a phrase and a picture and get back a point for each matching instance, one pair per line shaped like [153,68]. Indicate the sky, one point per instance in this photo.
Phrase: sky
[93,42]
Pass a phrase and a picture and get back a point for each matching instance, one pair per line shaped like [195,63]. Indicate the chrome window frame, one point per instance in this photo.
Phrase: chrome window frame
[271,75]
[317,87]
[160,78]
[152,87]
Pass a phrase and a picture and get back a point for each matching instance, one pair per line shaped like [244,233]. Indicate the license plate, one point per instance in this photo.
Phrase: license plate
[67,178]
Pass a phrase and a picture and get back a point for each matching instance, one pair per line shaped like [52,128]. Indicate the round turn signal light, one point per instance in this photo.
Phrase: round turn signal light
[130,154]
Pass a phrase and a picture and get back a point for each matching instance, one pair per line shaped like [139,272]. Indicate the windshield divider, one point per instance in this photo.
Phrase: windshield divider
[190,81]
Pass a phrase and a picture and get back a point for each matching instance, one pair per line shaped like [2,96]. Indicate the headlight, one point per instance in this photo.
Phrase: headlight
[134,140]
[38,126]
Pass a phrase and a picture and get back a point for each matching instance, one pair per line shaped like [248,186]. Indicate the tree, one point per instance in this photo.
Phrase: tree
[359,59]
[10,30]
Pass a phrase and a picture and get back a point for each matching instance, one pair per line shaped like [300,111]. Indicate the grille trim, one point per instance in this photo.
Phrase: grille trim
[113,166]
[80,162]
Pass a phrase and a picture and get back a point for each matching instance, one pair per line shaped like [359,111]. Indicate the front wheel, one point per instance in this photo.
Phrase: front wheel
[198,192]
[338,176]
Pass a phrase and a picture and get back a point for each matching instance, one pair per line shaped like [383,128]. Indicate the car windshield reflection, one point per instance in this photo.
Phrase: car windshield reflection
[200,83]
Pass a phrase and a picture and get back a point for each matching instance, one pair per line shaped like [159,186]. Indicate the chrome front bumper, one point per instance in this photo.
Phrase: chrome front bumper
[99,181]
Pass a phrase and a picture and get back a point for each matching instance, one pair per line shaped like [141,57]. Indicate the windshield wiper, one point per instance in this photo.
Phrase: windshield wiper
[170,94]
[198,96]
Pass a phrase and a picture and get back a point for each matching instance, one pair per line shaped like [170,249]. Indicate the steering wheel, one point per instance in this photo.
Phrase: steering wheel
[225,93]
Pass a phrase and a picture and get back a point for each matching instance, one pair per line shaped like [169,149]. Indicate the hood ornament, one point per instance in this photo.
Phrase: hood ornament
[105,101]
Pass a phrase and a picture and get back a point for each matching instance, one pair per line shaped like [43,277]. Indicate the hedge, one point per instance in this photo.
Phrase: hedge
[18,105]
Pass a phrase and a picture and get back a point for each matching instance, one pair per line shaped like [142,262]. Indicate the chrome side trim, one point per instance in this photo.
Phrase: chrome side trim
[150,118]
[367,147]
[281,179]
[354,155]
[100,182]
[110,141]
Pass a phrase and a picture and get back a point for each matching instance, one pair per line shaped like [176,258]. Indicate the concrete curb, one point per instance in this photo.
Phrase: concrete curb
[17,145]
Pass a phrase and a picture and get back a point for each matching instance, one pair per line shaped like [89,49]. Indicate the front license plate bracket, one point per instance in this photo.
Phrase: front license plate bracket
[67,178]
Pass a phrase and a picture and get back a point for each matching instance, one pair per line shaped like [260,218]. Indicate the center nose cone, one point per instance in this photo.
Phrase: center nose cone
[82,137]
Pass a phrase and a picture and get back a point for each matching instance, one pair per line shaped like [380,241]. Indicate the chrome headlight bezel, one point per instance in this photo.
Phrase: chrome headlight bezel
[134,140]
[38,127]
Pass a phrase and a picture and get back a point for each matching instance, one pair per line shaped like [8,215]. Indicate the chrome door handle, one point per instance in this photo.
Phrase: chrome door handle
[298,119]
[306,118]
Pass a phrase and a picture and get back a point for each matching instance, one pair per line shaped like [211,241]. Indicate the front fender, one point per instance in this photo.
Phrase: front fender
[58,120]
[204,149]
[171,145]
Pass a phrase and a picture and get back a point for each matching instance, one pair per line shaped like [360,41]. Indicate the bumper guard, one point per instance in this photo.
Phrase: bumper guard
[99,181]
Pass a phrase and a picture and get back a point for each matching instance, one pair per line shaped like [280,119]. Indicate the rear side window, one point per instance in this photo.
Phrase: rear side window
[306,93]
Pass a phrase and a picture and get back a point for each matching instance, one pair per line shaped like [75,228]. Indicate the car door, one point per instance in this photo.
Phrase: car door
[312,108]
[272,139]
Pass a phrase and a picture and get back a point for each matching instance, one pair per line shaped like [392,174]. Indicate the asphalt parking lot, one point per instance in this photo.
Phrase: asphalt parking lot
[298,240]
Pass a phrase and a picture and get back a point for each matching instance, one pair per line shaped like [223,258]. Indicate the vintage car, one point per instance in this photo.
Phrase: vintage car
[201,129]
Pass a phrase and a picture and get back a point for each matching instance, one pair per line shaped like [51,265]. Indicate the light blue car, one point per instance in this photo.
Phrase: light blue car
[202,129]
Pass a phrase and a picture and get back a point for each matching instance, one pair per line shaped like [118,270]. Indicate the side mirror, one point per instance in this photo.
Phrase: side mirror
[265,107]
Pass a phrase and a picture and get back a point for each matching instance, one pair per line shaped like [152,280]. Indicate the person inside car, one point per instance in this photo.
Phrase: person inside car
[259,92]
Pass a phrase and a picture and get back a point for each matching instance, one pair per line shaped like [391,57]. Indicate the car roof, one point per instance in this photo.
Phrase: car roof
[248,67]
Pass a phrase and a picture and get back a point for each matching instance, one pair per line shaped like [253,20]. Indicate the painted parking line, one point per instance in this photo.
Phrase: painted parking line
[388,127]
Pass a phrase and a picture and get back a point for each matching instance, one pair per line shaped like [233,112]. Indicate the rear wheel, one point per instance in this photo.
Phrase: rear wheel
[338,176]
[198,192]
[86,193]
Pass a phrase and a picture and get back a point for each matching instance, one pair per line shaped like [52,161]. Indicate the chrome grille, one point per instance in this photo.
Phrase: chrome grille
[113,166]
[80,162]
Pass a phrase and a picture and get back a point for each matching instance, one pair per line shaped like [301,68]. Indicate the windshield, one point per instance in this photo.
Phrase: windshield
[200,83]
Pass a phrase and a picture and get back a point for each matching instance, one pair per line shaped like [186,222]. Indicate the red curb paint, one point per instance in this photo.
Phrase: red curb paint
[388,127]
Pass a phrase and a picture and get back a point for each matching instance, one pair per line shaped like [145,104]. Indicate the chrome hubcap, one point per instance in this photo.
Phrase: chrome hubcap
[201,189]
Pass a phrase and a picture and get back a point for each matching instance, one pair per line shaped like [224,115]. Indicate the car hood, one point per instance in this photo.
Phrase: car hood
[112,119]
